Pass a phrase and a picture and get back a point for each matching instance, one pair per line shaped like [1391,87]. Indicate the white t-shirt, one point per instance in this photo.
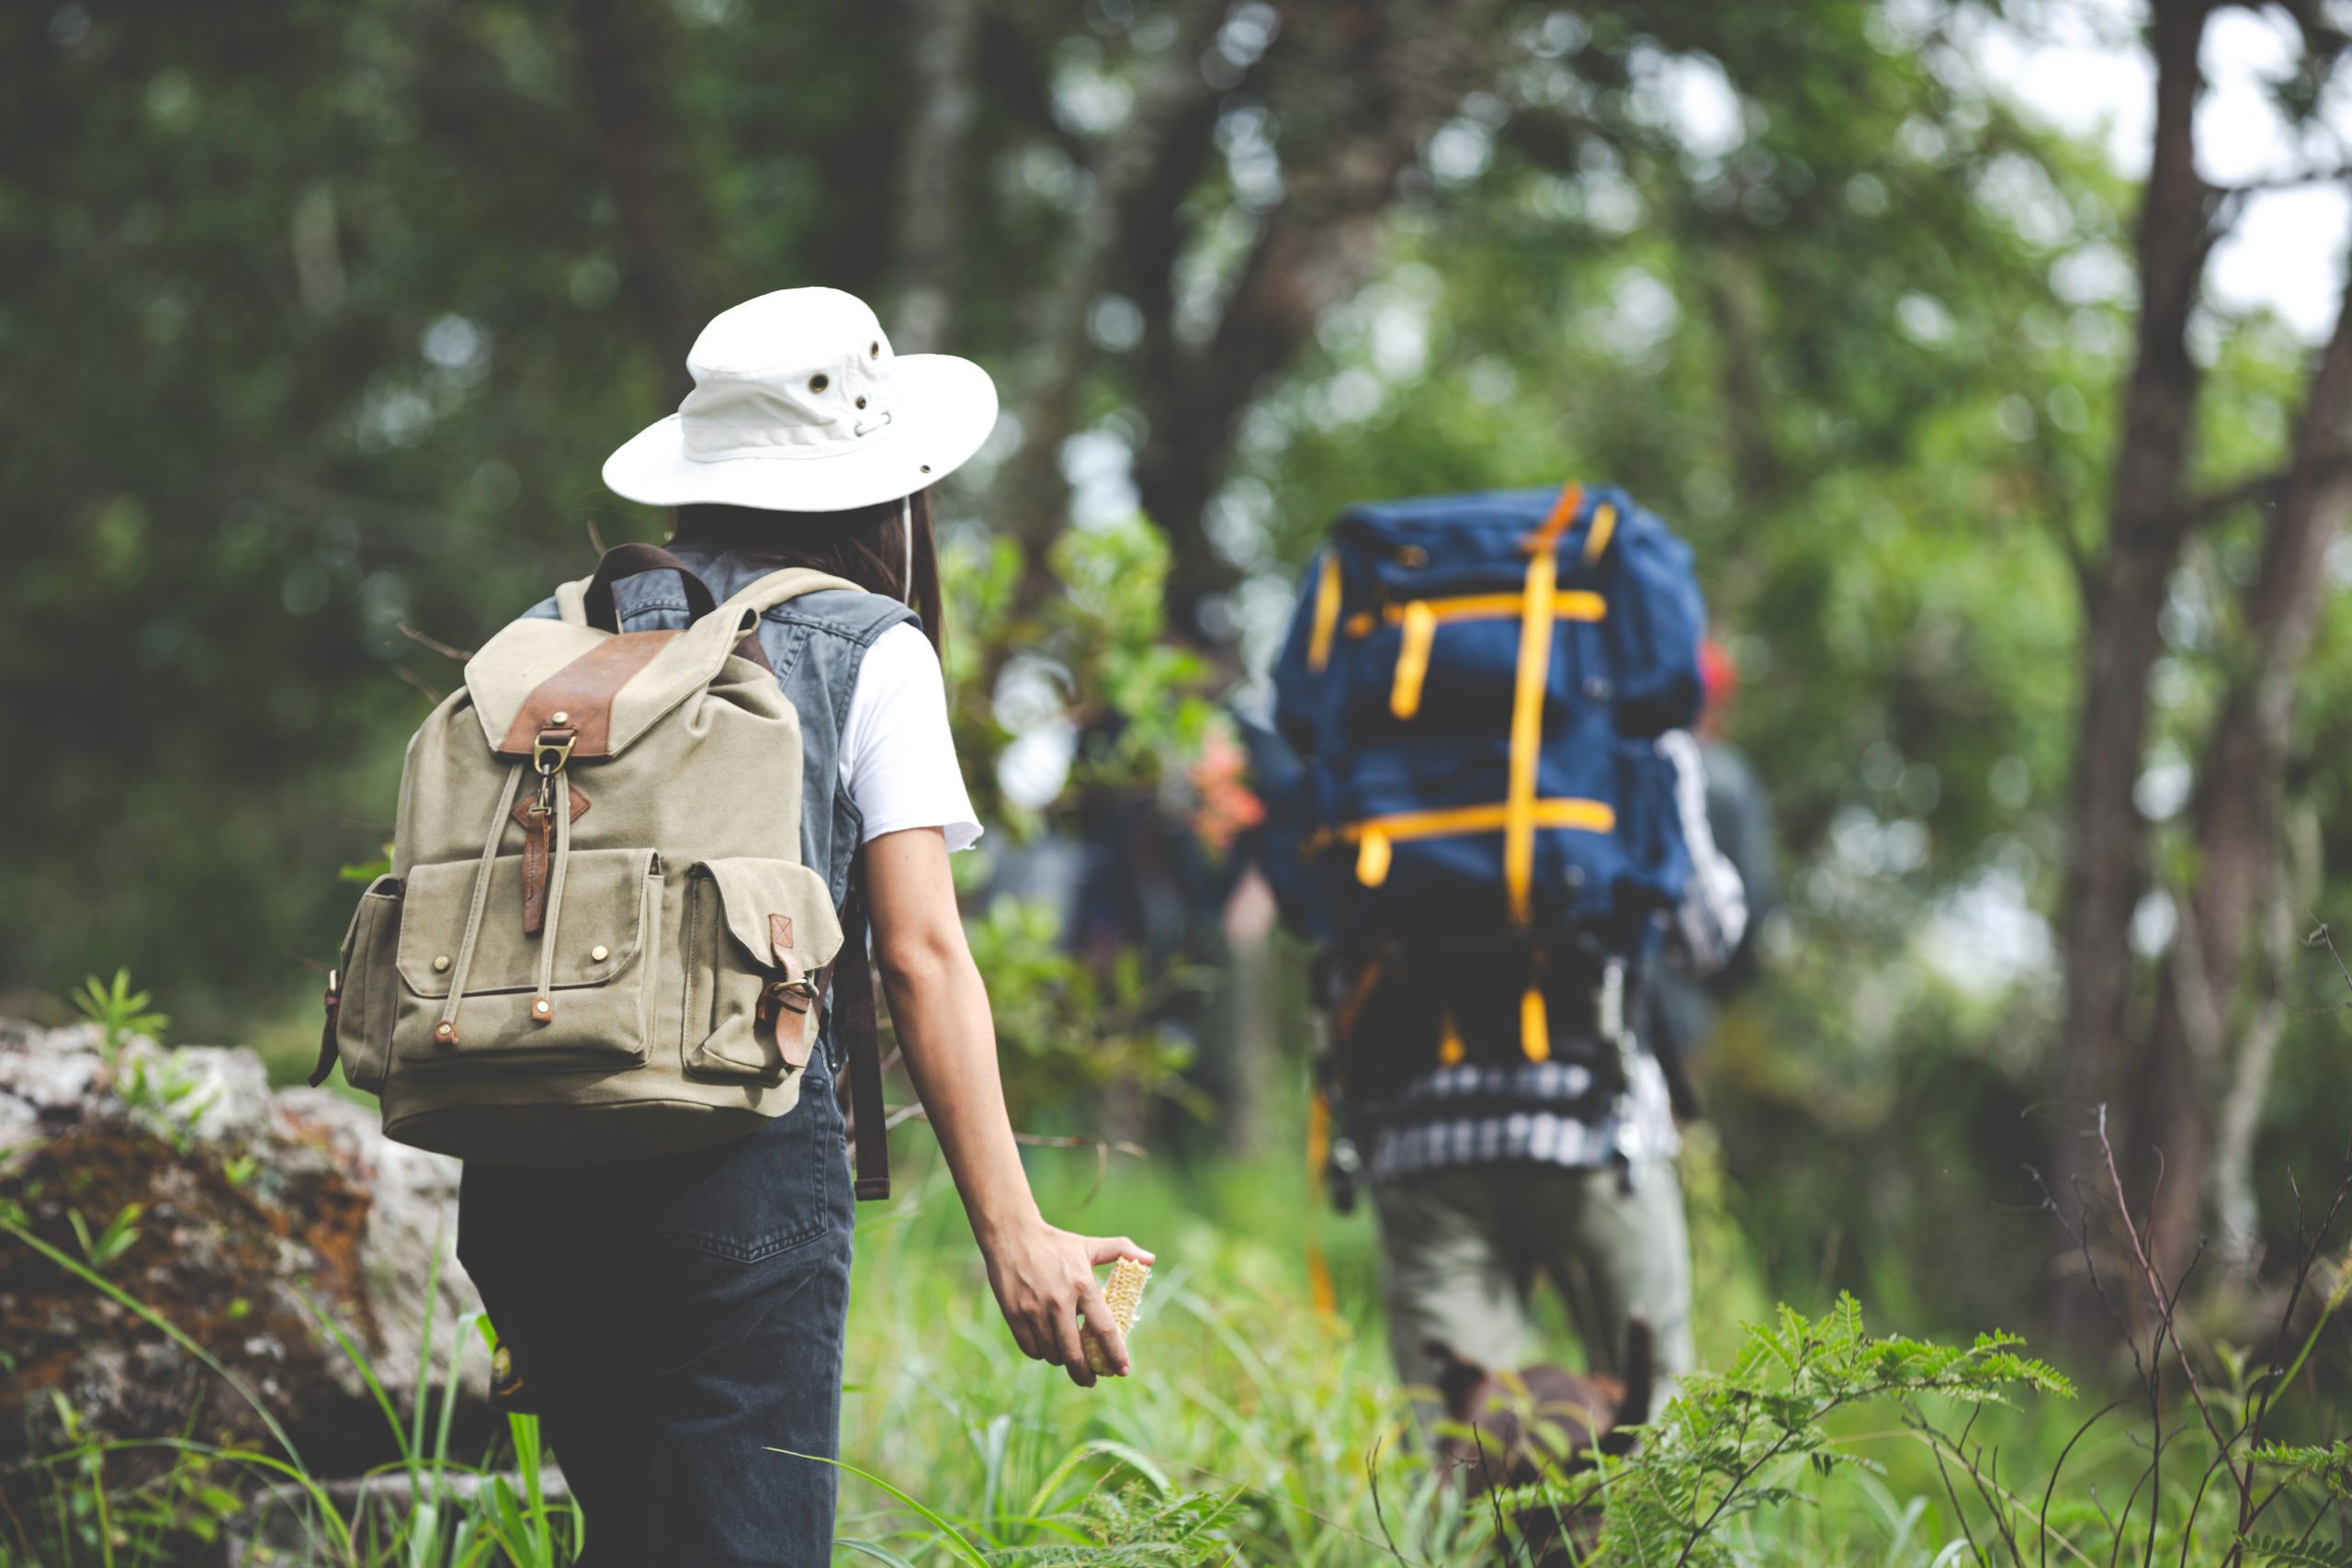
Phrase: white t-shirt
[897,758]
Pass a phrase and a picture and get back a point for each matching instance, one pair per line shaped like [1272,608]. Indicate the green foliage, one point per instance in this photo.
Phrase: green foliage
[120,1012]
[2286,1552]
[1257,1431]
[2329,1464]
[1092,659]
[1739,1442]
[367,870]
[1106,629]
[152,1080]
[158,1087]
[1138,1525]
[149,1501]
[1065,1028]
[94,1513]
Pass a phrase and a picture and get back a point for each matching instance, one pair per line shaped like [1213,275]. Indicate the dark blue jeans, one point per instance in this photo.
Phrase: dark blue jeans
[676,1320]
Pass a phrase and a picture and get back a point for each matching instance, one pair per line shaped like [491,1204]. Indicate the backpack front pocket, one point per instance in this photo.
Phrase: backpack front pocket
[600,988]
[761,939]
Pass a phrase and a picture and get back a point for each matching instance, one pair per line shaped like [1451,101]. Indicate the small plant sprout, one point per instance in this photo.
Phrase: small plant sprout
[117,1010]
[111,1243]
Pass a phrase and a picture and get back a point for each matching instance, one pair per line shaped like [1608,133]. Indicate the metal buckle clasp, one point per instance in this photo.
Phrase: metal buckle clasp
[798,995]
[552,751]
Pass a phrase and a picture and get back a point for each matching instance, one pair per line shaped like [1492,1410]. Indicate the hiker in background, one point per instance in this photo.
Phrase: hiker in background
[1683,1002]
[1488,1175]
[1496,825]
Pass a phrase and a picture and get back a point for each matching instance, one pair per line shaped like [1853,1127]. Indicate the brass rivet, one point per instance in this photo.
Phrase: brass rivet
[600,952]
[559,717]
[440,963]
[820,381]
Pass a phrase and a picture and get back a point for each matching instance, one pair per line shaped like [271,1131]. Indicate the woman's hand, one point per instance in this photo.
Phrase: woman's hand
[1044,1280]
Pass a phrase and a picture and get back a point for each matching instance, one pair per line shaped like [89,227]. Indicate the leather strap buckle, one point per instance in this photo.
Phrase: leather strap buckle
[795,995]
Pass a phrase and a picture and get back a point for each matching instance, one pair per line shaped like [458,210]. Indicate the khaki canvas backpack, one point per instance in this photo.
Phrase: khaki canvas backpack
[598,940]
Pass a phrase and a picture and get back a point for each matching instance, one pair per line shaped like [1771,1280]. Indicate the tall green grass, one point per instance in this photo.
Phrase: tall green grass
[142,1502]
[1275,1435]
[1257,1431]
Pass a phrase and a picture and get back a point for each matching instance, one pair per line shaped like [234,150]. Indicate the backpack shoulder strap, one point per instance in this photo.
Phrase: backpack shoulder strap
[572,603]
[860,1044]
[778,587]
[852,982]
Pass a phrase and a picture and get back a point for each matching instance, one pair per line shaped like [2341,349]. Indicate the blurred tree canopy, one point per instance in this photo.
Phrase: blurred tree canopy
[321,319]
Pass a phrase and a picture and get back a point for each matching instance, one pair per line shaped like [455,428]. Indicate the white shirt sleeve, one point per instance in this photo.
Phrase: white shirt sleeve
[897,758]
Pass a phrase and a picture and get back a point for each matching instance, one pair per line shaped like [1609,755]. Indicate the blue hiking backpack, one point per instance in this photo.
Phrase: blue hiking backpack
[1473,685]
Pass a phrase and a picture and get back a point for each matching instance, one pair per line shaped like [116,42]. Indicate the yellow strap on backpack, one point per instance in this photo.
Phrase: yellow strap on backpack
[1534,1025]
[1604,524]
[1327,613]
[1418,631]
[1527,735]
[1318,1151]
[1538,607]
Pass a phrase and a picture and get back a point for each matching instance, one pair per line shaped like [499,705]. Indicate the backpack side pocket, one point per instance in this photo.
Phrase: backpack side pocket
[363,1020]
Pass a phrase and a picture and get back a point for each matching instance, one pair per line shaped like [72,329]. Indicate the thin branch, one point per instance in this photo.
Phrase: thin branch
[1372,1475]
[2320,936]
[903,1113]
[445,650]
[1103,1148]
[1959,1511]
[2165,1324]
[420,682]
[2289,179]
[2051,1493]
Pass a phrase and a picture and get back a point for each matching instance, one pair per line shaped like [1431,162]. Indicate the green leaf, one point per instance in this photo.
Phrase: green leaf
[958,1545]
[870,1548]
[2293,1553]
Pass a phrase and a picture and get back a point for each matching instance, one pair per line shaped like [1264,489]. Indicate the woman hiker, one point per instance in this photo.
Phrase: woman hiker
[679,1321]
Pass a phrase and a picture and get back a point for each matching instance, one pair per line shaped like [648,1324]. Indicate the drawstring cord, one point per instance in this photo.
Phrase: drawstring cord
[444,1033]
[907,532]
[543,1002]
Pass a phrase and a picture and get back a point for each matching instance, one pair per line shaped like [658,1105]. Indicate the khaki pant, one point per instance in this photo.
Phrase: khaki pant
[1463,1249]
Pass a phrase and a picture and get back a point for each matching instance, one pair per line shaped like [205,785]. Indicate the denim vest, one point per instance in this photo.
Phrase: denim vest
[817,643]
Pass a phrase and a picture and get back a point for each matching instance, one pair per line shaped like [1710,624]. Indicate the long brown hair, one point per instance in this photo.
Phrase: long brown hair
[866,546]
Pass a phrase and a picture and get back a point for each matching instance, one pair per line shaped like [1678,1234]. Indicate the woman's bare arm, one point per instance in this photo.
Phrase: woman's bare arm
[1044,1278]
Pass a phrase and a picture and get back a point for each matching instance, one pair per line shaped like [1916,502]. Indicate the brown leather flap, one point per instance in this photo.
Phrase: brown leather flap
[580,695]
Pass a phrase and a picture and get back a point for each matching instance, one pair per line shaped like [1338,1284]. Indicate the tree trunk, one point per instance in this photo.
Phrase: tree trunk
[1175,112]
[1377,80]
[2235,820]
[2123,594]
[622,53]
[2240,1114]
[942,52]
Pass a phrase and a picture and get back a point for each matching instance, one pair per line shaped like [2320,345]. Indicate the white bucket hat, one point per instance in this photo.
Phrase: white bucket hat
[799,405]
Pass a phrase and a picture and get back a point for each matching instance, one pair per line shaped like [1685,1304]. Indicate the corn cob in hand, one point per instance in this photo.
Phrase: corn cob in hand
[1122,1293]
